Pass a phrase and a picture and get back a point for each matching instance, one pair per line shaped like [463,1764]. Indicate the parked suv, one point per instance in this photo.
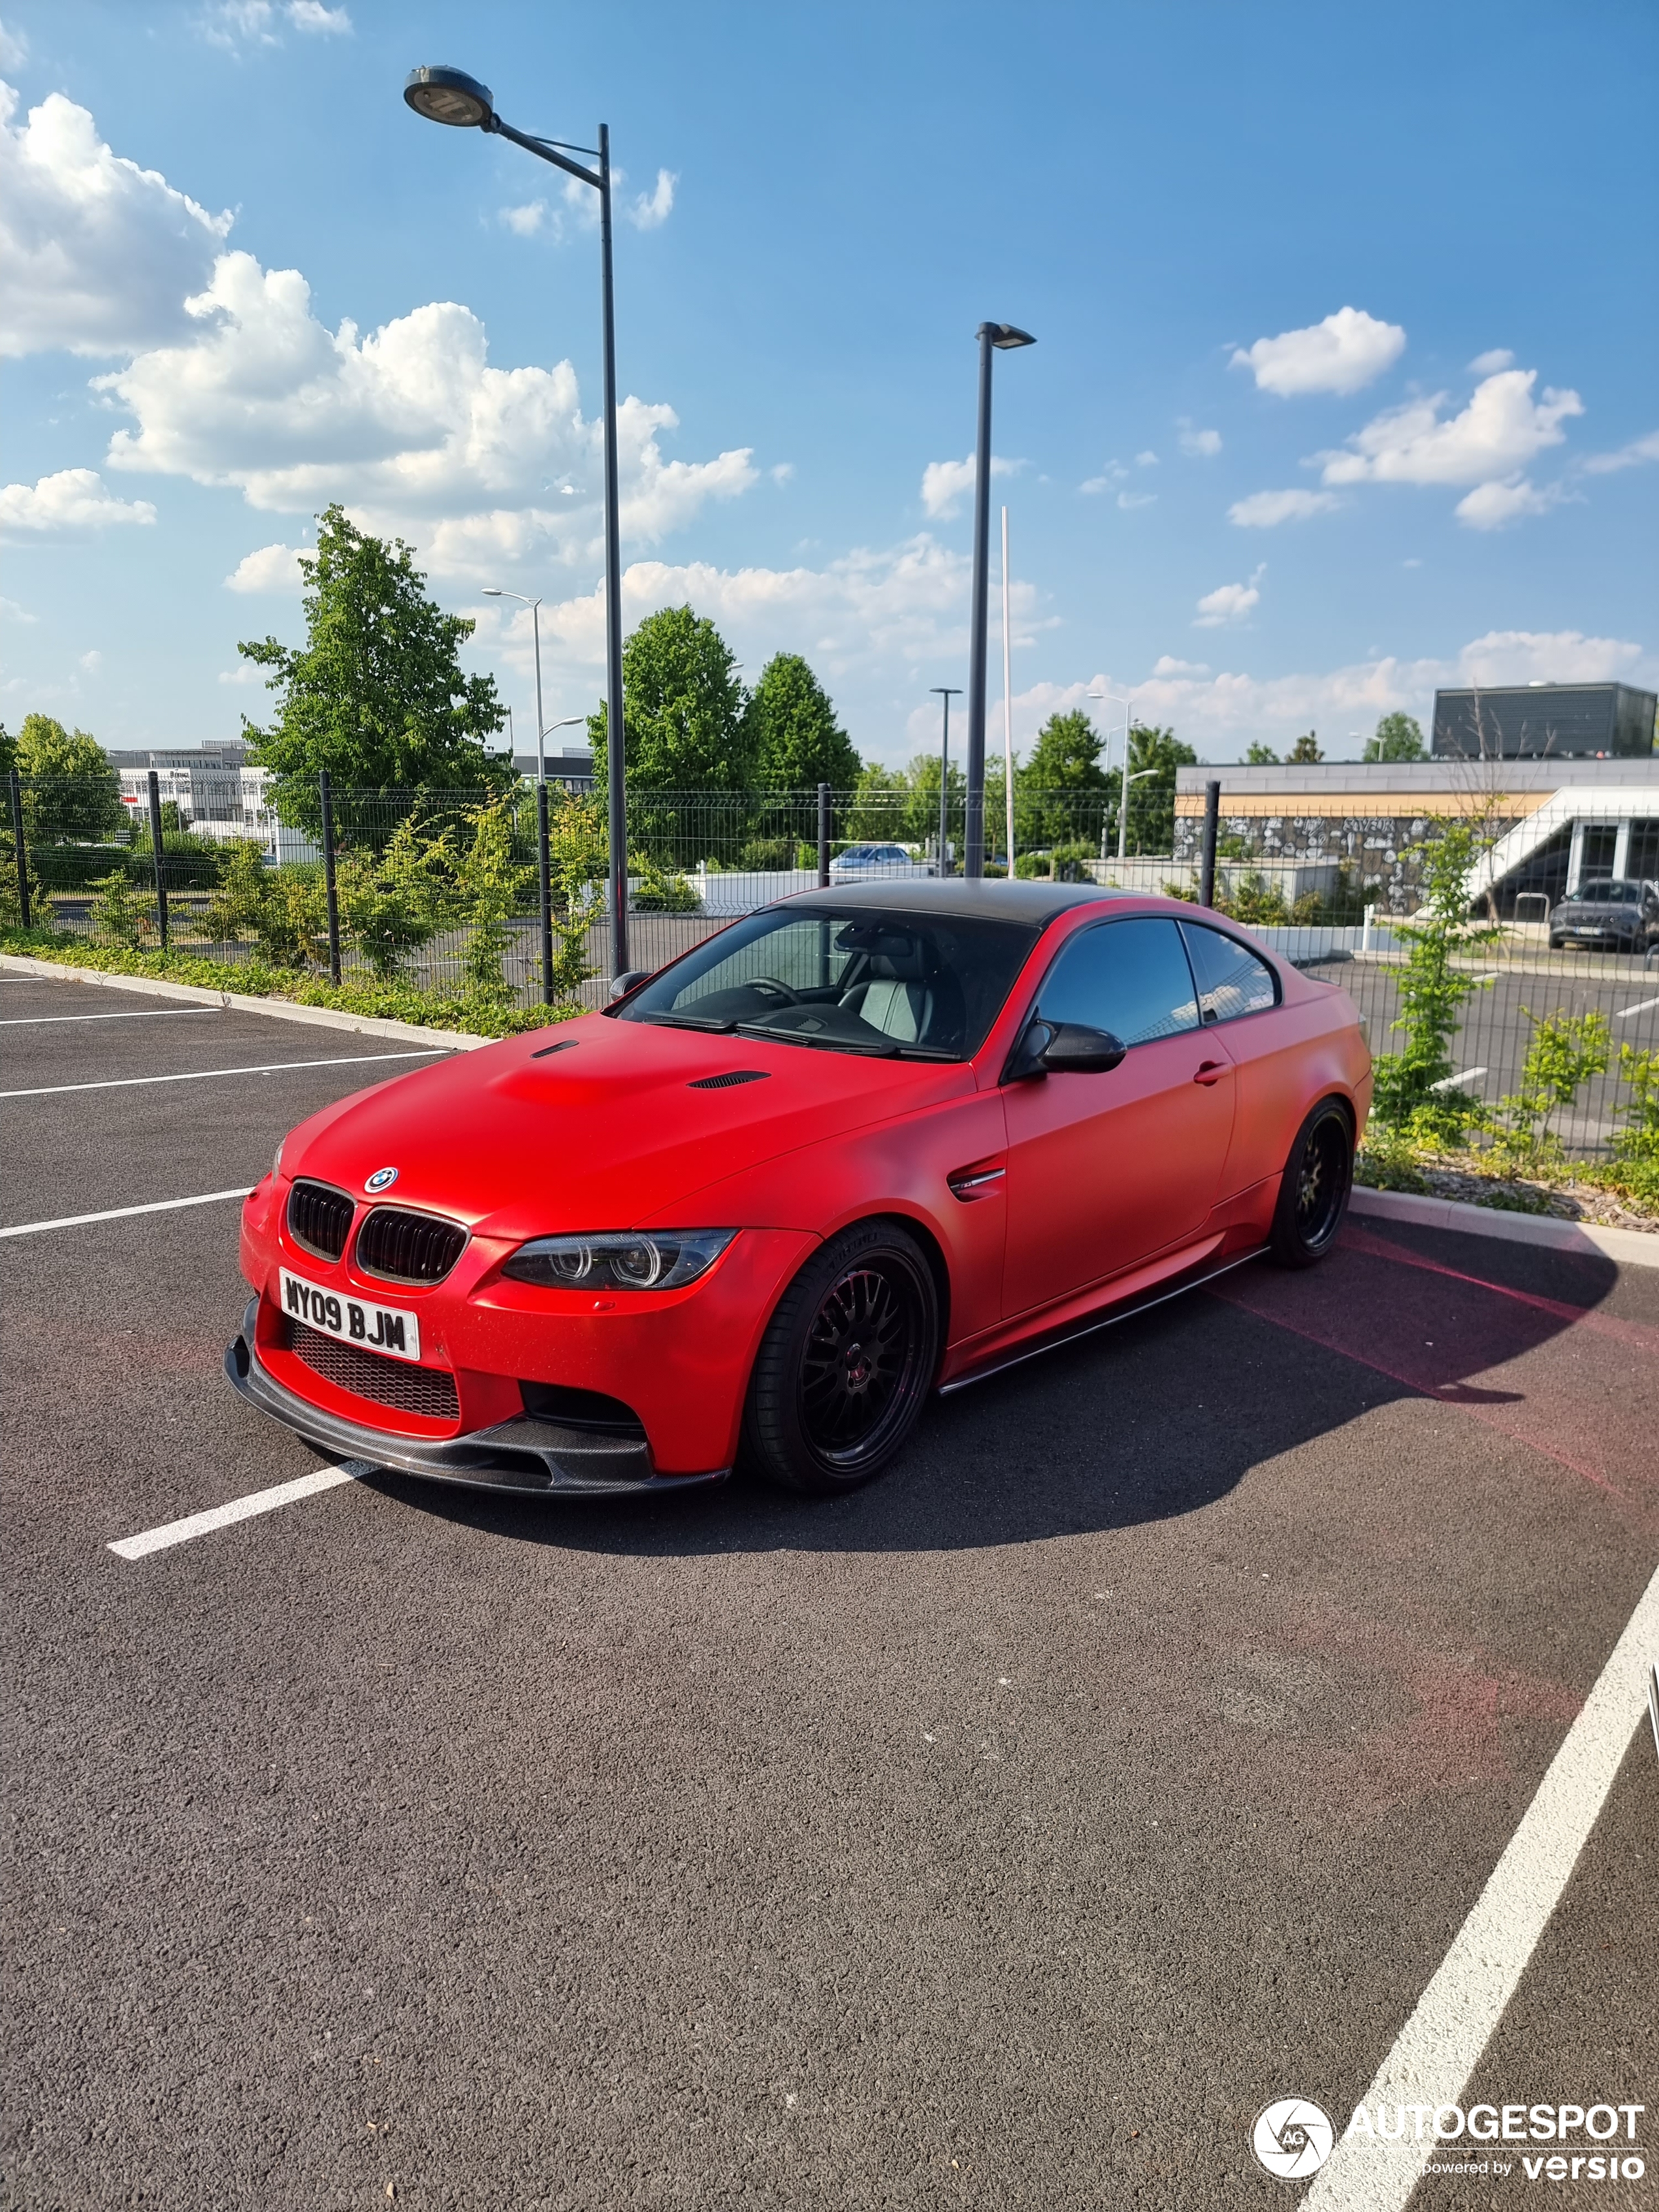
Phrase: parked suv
[1615,912]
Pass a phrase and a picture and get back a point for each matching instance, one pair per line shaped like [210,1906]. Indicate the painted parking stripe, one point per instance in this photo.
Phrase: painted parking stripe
[239,1509]
[1440,2045]
[144,1014]
[120,1213]
[1646,1007]
[206,1074]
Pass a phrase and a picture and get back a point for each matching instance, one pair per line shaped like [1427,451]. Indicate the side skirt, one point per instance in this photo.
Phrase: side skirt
[1093,1323]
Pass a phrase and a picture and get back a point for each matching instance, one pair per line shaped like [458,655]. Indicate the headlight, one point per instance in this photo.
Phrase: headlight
[628,1260]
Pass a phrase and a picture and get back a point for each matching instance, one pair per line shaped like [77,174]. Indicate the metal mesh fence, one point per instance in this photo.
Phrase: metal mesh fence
[441,890]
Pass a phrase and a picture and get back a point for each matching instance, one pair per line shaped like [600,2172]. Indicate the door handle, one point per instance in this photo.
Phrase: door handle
[1211,1070]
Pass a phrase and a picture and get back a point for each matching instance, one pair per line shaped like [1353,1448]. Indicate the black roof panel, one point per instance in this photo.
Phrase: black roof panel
[991,899]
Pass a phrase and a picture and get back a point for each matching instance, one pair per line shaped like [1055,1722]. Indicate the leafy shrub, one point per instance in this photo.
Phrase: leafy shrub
[765,853]
[116,912]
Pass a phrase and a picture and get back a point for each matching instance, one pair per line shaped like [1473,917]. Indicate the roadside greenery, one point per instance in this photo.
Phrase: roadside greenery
[1414,1086]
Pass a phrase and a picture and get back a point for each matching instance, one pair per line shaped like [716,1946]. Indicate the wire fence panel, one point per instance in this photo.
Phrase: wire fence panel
[441,891]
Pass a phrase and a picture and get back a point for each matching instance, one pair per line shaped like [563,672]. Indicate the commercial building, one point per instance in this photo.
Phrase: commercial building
[1545,721]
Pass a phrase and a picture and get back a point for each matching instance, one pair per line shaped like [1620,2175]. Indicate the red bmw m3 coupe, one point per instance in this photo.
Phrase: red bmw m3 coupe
[869,1143]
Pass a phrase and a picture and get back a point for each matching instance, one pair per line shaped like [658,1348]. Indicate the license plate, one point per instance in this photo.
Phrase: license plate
[375,1329]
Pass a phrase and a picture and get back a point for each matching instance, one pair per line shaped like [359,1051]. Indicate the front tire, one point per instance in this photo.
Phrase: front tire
[845,1364]
[1312,1198]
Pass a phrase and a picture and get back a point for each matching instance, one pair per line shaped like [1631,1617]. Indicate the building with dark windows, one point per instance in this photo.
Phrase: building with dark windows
[1545,721]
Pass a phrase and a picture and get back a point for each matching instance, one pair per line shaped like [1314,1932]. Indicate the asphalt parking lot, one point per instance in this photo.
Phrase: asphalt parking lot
[1009,1834]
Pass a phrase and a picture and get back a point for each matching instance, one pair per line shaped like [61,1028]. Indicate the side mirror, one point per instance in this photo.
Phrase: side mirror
[630,980]
[1075,1049]
[1063,1048]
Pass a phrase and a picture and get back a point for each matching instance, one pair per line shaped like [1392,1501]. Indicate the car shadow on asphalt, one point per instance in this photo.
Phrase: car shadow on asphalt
[1157,1417]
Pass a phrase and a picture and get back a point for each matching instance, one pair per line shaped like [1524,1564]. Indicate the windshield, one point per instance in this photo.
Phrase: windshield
[1607,894]
[911,986]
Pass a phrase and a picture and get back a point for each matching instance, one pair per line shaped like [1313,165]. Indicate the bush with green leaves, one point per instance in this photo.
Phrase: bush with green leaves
[491,884]
[766,853]
[117,915]
[1563,1053]
[394,901]
[1411,1085]
[282,912]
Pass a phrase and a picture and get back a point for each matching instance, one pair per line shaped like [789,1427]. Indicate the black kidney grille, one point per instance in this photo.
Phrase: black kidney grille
[319,1218]
[410,1390]
[409,1248]
[725,1082]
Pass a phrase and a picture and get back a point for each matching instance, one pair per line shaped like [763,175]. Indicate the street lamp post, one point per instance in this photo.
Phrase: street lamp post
[947,692]
[1001,338]
[1139,776]
[449,95]
[1114,699]
[535,607]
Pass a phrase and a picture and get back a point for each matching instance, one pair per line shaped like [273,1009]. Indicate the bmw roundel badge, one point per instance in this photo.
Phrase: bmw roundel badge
[382,1179]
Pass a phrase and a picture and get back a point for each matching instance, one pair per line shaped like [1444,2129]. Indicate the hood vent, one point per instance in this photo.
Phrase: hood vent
[726,1082]
[409,1248]
[319,1218]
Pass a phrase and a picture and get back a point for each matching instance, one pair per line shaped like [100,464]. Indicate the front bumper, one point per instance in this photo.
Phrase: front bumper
[532,1458]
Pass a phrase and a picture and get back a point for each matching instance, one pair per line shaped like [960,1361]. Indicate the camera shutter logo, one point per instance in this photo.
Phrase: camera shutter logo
[382,1179]
[1292,2139]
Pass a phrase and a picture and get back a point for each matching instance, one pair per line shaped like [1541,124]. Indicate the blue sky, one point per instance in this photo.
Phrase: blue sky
[1345,382]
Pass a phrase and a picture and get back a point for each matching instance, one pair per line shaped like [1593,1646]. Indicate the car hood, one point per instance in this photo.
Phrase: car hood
[605,1130]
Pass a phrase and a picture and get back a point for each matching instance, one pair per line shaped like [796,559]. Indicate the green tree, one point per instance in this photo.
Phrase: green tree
[1432,988]
[796,741]
[376,694]
[1260,756]
[75,793]
[8,750]
[394,901]
[685,709]
[1151,803]
[1398,738]
[492,884]
[1305,751]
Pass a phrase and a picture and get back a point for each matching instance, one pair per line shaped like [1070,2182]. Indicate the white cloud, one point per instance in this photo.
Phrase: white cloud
[409,427]
[646,213]
[255,21]
[781,472]
[1147,460]
[1266,510]
[945,484]
[1202,444]
[14,48]
[1229,603]
[1347,350]
[96,254]
[271,568]
[1486,364]
[74,498]
[1220,713]
[12,612]
[1490,506]
[311,16]
[1627,457]
[245,672]
[1167,664]
[1130,500]
[1498,433]
[92,662]
[527,220]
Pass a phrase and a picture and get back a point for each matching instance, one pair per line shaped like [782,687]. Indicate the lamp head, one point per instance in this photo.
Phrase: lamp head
[1004,336]
[449,95]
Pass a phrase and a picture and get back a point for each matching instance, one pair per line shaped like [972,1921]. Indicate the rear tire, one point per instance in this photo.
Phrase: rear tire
[845,1364]
[1312,1198]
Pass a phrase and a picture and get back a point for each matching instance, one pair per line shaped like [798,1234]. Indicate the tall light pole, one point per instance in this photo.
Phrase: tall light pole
[449,95]
[1114,699]
[1139,776]
[1007,704]
[535,607]
[947,692]
[999,337]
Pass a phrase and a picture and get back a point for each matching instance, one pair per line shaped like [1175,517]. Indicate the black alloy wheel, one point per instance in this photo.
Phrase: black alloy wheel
[1313,1195]
[846,1363]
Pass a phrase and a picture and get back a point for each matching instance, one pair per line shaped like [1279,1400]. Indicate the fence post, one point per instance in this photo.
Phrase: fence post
[824,836]
[324,793]
[17,842]
[160,860]
[545,873]
[1211,824]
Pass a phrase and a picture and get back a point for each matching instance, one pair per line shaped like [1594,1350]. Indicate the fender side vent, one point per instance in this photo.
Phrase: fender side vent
[726,1082]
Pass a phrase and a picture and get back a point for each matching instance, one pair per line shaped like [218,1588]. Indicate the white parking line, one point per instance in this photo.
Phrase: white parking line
[1457,1082]
[144,1014]
[1440,2045]
[240,1509]
[120,1213]
[204,1074]
[1646,1007]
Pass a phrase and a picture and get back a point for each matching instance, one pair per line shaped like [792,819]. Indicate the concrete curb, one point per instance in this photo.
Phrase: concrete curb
[1630,1248]
[283,1010]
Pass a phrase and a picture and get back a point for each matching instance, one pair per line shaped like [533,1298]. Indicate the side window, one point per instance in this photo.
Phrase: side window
[1129,977]
[1231,981]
